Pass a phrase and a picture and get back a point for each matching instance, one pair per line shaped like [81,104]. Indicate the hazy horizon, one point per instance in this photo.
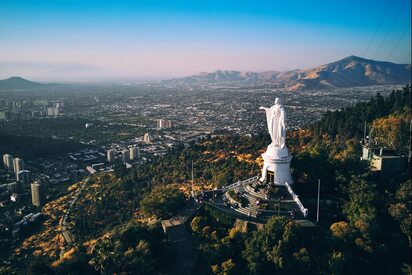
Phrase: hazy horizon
[49,40]
[46,72]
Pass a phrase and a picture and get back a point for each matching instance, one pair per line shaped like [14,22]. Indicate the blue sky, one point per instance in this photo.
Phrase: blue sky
[172,38]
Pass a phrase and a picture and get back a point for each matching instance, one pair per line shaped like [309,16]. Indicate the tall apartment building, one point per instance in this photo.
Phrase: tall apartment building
[18,165]
[110,155]
[23,176]
[134,153]
[125,156]
[164,124]
[8,162]
[37,194]
[146,138]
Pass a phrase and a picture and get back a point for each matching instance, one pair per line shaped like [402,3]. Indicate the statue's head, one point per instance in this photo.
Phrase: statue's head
[278,101]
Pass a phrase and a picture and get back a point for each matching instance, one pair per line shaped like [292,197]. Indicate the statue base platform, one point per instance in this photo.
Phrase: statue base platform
[276,166]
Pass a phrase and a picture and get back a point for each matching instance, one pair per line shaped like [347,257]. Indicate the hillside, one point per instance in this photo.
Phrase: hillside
[354,71]
[364,226]
[348,72]
[18,83]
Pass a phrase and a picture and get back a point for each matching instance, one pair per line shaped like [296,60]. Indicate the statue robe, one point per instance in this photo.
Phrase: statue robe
[276,117]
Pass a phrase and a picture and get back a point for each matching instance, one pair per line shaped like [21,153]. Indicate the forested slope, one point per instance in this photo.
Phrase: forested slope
[365,217]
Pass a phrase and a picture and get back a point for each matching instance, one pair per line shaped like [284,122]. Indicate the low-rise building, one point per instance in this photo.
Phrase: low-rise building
[381,159]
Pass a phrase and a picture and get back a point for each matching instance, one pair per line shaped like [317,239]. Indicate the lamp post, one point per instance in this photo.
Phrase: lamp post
[279,206]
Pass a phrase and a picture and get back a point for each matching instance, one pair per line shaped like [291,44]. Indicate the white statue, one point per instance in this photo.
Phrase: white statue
[276,121]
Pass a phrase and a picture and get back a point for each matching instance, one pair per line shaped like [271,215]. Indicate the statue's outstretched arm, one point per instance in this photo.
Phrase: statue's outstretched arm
[263,108]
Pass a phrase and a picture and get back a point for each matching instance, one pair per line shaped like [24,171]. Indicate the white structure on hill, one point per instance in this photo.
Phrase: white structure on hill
[276,167]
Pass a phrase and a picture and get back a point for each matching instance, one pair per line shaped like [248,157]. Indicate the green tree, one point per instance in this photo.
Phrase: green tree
[337,262]
[400,210]
[276,247]
[341,230]
[226,268]
[163,201]
[303,258]
[134,249]
[7,270]
[39,266]
[361,209]
[198,223]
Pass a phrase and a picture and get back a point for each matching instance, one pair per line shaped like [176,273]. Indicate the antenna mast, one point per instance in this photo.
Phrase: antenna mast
[410,140]
[317,210]
[192,181]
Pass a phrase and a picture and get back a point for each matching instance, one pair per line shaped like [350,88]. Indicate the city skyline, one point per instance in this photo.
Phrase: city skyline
[72,39]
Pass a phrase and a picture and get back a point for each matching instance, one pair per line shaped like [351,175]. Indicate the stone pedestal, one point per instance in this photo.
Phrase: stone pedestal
[276,161]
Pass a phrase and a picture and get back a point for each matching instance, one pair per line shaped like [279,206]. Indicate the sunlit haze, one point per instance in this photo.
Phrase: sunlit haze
[49,40]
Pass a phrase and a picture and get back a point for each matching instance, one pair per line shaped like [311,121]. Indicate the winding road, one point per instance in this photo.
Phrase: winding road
[68,237]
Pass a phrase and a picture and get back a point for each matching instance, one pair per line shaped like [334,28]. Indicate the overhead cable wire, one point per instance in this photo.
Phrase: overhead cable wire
[405,31]
[377,28]
[390,29]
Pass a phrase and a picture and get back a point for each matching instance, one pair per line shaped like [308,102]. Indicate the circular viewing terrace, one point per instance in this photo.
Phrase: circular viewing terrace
[252,200]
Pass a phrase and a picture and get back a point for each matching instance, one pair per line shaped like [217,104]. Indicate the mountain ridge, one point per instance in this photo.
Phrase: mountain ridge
[350,71]
[18,83]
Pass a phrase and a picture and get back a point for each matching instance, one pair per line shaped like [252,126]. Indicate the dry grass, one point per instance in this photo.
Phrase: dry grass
[48,242]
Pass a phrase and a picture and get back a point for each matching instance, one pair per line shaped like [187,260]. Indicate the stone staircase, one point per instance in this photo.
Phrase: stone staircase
[252,210]
[250,189]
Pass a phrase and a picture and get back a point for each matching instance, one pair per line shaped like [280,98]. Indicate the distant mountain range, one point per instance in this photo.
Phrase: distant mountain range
[351,71]
[348,72]
[18,83]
